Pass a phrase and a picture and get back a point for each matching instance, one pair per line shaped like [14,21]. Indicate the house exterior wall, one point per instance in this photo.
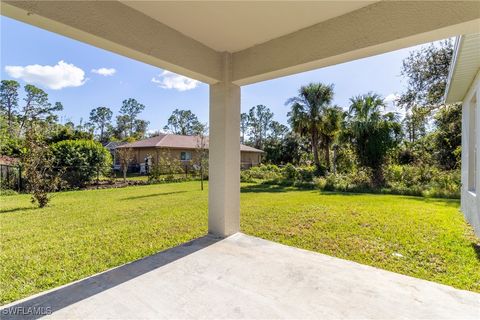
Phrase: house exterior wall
[248,159]
[470,199]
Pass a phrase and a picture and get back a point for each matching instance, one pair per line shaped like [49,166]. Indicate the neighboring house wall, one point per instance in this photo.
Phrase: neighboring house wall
[247,158]
[157,153]
[250,158]
[470,155]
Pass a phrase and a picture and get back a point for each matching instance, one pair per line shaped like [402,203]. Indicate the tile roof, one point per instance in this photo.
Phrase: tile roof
[174,141]
[113,144]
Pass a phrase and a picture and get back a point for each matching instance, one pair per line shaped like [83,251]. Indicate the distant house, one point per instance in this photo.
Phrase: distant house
[111,147]
[182,148]
[464,86]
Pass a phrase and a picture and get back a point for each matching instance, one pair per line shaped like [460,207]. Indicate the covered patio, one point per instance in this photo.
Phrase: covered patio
[247,277]
[228,45]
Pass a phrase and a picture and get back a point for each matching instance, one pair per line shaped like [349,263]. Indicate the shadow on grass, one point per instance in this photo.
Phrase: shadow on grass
[257,188]
[476,248]
[62,297]
[275,188]
[153,195]
[453,203]
[17,209]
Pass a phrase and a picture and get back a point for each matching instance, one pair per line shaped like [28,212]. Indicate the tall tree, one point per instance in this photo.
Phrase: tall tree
[426,71]
[121,129]
[274,143]
[9,101]
[447,138]
[307,112]
[129,112]
[277,131]
[37,106]
[184,122]
[259,120]
[373,133]
[140,128]
[330,126]
[243,126]
[101,118]
[416,122]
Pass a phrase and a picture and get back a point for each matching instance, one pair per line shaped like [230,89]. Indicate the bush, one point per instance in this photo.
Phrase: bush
[306,174]
[358,181]
[80,160]
[7,192]
[288,175]
[167,169]
[40,176]
[414,180]
[422,180]
[290,172]
[261,172]
[246,176]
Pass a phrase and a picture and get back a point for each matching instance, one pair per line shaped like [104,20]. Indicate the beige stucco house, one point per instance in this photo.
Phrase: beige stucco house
[464,87]
[186,149]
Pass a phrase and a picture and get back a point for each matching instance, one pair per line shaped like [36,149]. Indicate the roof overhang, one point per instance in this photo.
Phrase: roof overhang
[464,67]
[265,39]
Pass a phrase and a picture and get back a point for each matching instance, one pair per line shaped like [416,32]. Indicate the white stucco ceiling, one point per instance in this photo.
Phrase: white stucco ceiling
[266,40]
[235,25]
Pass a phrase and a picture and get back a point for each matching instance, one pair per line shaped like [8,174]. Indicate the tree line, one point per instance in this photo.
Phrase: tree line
[334,139]
[363,134]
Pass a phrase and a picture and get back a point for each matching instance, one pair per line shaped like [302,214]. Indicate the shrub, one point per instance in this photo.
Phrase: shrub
[40,177]
[261,172]
[422,180]
[358,181]
[80,160]
[167,169]
[306,174]
[290,172]
[246,176]
[7,192]
[288,175]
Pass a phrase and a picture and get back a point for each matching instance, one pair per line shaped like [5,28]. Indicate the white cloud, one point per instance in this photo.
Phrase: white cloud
[55,77]
[391,105]
[391,98]
[106,72]
[170,80]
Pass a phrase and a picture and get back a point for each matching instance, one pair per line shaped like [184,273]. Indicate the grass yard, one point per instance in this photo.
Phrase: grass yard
[84,232]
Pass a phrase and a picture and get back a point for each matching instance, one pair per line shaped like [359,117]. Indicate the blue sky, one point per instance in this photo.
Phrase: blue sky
[27,50]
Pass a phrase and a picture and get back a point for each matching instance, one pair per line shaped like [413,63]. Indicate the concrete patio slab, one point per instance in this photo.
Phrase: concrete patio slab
[247,277]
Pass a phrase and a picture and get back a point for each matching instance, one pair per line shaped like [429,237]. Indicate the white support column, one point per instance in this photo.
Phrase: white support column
[224,154]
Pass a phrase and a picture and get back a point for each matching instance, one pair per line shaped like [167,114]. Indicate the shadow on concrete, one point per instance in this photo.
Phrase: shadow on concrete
[153,195]
[45,304]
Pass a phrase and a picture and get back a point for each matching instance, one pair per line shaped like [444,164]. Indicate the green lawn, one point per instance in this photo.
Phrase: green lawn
[84,232]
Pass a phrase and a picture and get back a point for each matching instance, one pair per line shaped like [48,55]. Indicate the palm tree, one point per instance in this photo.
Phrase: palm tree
[330,126]
[373,133]
[308,111]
